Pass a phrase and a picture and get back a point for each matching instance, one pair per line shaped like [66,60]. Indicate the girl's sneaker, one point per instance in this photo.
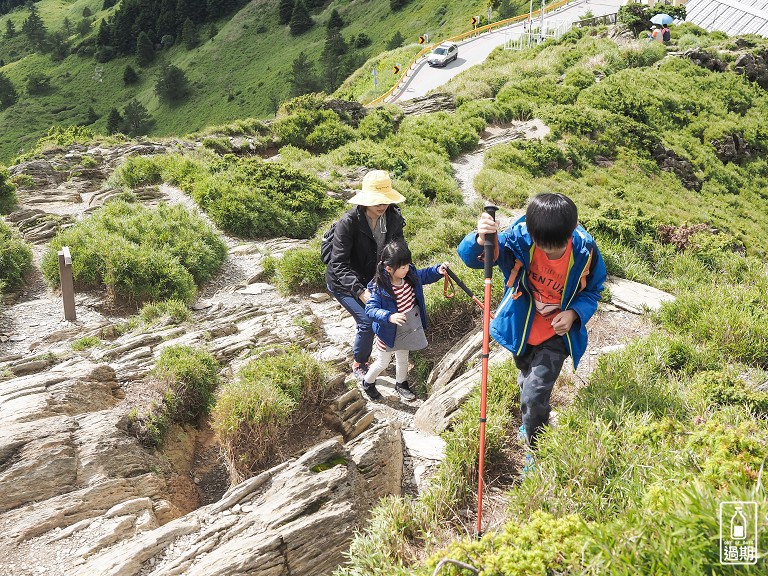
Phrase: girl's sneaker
[521,435]
[370,390]
[404,390]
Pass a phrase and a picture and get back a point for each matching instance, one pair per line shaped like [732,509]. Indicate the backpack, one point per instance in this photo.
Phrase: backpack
[326,244]
[665,34]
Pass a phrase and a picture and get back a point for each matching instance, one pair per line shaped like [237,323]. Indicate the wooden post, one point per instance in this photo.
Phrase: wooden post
[67,284]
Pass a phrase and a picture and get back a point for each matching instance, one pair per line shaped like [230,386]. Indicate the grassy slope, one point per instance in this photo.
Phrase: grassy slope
[671,426]
[239,61]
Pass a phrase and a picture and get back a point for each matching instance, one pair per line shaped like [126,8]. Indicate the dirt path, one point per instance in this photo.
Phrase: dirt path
[466,166]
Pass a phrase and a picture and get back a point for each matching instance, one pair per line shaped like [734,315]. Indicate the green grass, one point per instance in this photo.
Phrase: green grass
[258,403]
[85,343]
[386,545]
[188,378]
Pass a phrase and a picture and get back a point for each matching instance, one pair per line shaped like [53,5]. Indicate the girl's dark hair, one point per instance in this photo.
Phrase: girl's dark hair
[394,255]
[551,219]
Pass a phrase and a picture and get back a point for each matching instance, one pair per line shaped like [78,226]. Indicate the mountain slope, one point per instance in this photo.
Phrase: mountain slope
[242,71]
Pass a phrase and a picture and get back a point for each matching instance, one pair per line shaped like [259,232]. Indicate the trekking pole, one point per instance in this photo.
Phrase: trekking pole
[488,246]
[466,289]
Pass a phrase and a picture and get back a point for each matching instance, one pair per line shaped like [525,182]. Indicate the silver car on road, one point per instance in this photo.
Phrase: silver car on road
[443,54]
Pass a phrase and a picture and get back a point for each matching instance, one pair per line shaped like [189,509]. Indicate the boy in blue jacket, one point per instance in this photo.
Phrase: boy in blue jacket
[554,275]
[398,313]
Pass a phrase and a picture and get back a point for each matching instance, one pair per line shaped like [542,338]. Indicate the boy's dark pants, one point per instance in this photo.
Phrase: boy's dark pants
[539,367]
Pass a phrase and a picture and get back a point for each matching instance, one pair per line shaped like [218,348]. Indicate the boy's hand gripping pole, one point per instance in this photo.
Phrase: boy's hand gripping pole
[488,250]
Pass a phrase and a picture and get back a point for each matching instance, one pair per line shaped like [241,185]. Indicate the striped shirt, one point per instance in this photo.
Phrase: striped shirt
[406,299]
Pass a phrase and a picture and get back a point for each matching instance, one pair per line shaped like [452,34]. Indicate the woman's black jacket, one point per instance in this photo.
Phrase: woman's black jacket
[354,254]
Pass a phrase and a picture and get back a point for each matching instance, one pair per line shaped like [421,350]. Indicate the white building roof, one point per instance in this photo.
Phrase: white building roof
[730,16]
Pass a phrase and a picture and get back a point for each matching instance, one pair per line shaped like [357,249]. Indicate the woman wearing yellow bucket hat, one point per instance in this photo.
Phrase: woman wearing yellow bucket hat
[358,239]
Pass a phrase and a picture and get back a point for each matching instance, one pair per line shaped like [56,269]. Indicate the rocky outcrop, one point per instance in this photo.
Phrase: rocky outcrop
[635,297]
[37,226]
[295,519]
[732,148]
[754,67]
[428,104]
[669,161]
[354,112]
[348,414]
[705,59]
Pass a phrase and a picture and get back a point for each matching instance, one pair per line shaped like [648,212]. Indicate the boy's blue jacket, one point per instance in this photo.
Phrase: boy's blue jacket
[381,305]
[514,316]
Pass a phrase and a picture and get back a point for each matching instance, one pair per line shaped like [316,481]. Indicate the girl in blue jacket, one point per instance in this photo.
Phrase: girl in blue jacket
[398,313]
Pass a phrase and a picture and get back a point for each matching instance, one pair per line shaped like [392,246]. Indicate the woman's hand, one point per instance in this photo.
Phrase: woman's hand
[562,322]
[443,268]
[486,225]
[364,296]
[397,318]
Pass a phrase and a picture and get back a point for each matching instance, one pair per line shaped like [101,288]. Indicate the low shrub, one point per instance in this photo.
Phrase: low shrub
[218,145]
[510,189]
[242,127]
[7,191]
[543,545]
[138,253]
[15,258]
[252,409]
[545,89]
[379,123]
[306,123]
[253,198]
[138,171]
[187,378]
[453,133]
[725,388]
[300,270]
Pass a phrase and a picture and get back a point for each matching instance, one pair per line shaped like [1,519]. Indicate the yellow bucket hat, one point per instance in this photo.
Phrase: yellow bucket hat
[377,189]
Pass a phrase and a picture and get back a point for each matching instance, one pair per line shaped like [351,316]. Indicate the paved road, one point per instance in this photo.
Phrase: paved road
[474,51]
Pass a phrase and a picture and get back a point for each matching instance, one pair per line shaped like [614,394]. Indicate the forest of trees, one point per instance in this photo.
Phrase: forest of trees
[8,5]
[162,21]
[339,58]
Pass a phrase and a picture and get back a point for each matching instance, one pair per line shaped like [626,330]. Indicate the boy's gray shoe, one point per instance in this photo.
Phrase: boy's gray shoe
[404,390]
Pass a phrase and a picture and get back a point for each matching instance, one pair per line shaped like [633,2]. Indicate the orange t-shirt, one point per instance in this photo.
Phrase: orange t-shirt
[546,279]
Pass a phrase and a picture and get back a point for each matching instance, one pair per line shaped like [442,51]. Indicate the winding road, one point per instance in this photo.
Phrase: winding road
[422,78]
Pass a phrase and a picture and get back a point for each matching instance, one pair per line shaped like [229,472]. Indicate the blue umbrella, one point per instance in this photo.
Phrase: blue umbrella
[662,19]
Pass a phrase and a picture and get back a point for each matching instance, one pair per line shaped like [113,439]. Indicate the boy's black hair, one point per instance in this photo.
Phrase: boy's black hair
[551,219]
[394,255]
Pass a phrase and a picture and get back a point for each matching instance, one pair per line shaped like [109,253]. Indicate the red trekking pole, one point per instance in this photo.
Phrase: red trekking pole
[488,246]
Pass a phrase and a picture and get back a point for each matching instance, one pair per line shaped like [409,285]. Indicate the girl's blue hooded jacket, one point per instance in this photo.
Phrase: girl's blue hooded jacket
[514,316]
[381,305]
